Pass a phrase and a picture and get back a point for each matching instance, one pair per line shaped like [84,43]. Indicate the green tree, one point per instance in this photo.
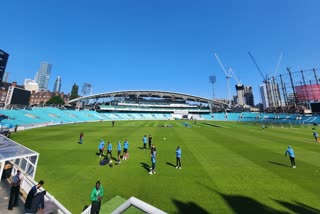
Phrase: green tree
[56,100]
[74,92]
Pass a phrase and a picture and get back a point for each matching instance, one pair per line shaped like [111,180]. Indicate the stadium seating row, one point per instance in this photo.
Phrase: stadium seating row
[35,116]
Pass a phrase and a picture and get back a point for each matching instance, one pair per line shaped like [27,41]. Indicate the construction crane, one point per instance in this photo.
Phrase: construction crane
[265,81]
[264,77]
[228,76]
[234,76]
[276,87]
[278,65]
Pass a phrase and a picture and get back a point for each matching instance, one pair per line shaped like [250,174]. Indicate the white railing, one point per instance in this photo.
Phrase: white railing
[132,201]
[141,205]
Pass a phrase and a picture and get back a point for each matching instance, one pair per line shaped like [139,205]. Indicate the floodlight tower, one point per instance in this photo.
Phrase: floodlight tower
[212,80]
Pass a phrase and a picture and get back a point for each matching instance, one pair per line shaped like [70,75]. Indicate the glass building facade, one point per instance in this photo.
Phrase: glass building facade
[43,76]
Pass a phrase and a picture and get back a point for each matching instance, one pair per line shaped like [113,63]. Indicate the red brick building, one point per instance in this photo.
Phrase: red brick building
[41,97]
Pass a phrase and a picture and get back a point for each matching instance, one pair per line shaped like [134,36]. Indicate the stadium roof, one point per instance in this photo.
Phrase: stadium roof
[151,94]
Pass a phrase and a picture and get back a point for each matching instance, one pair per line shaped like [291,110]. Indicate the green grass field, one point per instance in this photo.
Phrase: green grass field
[226,167]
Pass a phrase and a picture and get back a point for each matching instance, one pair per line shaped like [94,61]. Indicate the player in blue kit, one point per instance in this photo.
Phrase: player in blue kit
[144,140]
[109,150]
[101,147]
[291,156]
[178,157]
[125,149]
[119,151]
[153,162]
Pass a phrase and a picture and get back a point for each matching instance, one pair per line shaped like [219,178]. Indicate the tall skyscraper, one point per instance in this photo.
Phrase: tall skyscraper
[5,77]
[43,76]
[264,97]
[240,94]
[3,63]
[57,85]
[248,95]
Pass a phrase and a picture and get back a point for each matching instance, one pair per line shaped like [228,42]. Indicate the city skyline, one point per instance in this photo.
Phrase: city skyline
[163,45]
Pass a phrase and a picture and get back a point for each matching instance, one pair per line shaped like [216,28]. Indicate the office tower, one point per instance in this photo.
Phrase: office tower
[3,63]
[57,85]
[43,75]
[5,76]
[240,94]
[248,95]
[264,97]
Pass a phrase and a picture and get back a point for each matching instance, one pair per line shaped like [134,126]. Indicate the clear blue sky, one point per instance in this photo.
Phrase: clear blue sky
[158,45]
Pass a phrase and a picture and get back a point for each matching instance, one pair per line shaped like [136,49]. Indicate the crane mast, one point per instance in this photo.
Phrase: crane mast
[228,77]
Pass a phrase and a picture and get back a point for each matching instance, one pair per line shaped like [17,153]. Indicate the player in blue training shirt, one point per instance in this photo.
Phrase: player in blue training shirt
[153,162]
[109,150]
[178,157]
[119,152]
[101,147]
[125,149]
[144,140]
[291,156]
[315,135]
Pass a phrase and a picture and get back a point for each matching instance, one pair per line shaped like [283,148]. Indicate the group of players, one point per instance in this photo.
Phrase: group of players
[125,155]
[145,140]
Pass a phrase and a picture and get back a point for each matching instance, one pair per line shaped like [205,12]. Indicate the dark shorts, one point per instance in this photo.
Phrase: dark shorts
[125,150]
[101,151]
[119,152]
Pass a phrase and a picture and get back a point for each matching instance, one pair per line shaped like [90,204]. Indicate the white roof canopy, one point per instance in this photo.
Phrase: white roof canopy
[21,157]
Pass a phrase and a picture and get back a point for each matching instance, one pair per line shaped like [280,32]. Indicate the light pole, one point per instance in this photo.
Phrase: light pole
[212,80]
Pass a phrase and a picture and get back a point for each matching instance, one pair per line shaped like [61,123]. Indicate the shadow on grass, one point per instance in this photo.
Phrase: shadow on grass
[244,204]
[142,148]
[145,166]
[280,164]
[170,164]
[116,158]
[189,207]
[208,124]
[298,207]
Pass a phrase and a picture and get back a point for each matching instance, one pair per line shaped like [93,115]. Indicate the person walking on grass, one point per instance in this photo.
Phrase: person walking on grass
[96,197]
[109,150]
[119,151]
[153,162]
[178,157]
[150,141]
[316,136]
[81,138]
[101,147]
[125,149]
[291,156]
[144,140]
